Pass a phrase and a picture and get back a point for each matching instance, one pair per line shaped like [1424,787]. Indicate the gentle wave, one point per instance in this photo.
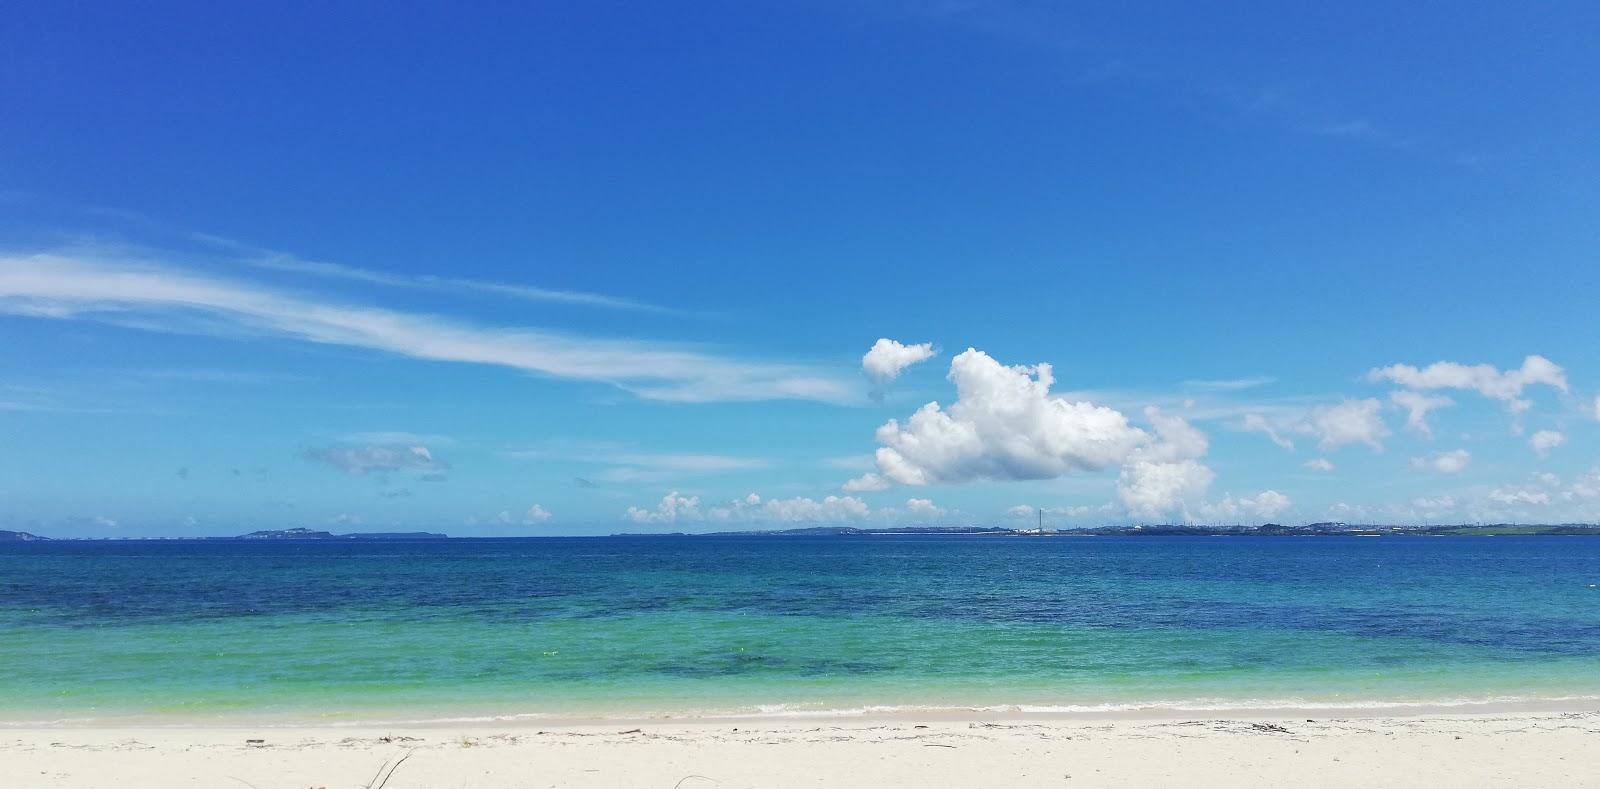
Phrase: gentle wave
[782,711]
[1158,707]
[1196,705]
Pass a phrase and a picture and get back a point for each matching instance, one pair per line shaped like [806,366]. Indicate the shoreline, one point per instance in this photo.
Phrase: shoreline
[867,714]
[1549,749]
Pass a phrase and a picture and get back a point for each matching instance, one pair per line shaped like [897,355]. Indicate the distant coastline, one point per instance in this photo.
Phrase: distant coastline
[1175,530]
[263,535]
[1331,529]
[312,534]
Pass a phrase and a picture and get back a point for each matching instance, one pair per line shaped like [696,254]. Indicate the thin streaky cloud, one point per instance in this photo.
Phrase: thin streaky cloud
[691,463]
[215,376]
[1244,97]
[609,454]
[432,282]
[125,291]
[850,462]
[1219,405]
[1229,384]
[277,261]
[364,460]
[398,437]
[1360,130]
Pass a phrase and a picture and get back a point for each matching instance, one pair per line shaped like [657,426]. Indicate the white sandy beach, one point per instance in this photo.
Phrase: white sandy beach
[1499,749]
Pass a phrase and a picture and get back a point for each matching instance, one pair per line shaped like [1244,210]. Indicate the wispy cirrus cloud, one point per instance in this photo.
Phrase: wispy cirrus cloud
[377,459]
[690,462]
[1219,93]
[1356,130]
[1218,404]
[237,253]
[850,462]
[288,263]
[398,437]
[1229,384]
[213,376]
[627,465]
[113,288]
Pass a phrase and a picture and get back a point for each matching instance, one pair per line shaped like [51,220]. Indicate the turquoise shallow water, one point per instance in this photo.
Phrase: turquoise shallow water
[638,626]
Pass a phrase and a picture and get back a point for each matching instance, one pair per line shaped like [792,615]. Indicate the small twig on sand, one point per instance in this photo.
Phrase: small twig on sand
[687,777]
[390,774]
[396,767]
[378,773]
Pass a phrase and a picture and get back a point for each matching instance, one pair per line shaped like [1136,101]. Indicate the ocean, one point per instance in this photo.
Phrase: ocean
[709,626]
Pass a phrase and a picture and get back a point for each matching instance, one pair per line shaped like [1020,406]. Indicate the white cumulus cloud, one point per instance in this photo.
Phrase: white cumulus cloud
[888,358]
[536,514]
[1319,464]
[1348,422]
[1585,487]
[1545,440]
[1075,511]
[866,483]
[1153,490]
[1266,504]
[800,509]
[1256,423]
[1505,386]
[1004,425]
[672,508]
[1453,462]
[1512,497]
[1166,477]
[677,508]
[1417,406]
[1176,439]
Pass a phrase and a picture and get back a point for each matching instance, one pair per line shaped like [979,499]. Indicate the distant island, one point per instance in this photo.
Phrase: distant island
[1326,529]
[311,534]
[852,531]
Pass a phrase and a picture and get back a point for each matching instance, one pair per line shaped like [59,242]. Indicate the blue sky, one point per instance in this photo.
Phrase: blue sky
[587,267]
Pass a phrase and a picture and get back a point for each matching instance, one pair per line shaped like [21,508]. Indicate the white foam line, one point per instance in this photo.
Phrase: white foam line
[784,711]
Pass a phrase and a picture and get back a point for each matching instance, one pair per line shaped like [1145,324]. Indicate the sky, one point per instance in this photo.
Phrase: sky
[593,267]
